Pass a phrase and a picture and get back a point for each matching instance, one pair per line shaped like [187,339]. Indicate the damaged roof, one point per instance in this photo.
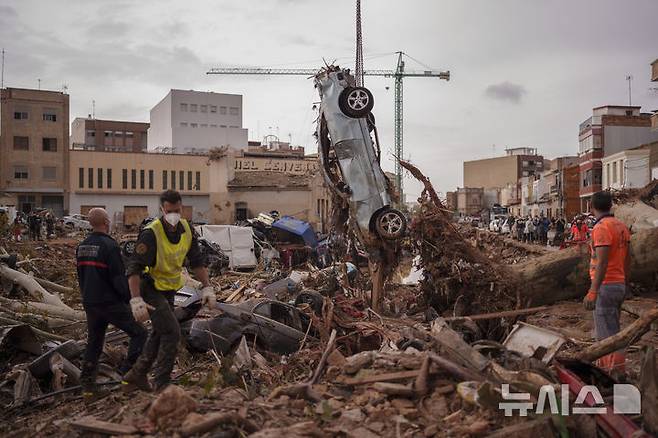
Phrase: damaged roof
[269,179]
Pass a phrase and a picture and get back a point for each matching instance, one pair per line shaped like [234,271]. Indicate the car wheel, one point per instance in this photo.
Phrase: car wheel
[356,102]
[391,224]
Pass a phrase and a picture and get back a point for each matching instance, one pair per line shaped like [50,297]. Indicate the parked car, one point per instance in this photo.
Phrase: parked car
[273,325]
[77,222]
[349,158]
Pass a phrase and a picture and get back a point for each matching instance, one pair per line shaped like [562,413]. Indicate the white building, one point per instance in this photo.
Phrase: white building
[196,121]
[626,169]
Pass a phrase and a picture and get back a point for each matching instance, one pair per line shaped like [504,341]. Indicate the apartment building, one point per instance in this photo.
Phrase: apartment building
[609,130]
[108,135]
[499,171]
[188,121]
[34,138]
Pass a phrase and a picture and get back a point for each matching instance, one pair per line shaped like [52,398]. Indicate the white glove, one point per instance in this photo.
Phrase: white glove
[140,309]
[208,297]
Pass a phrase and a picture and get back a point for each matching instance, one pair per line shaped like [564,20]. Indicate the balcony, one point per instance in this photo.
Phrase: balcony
[589,123]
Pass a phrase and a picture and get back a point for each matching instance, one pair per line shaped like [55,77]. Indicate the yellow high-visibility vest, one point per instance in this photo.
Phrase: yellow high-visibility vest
[167,273]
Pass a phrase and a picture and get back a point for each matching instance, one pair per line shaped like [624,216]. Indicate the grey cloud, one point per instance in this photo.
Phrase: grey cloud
[505,91]
[7,11]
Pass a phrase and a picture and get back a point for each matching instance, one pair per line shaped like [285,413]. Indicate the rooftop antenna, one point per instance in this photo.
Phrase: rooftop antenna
[2,73]
[93,109]
[39,81]
[629,78]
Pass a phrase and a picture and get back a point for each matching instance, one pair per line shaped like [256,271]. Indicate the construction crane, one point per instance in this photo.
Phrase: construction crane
[398,74]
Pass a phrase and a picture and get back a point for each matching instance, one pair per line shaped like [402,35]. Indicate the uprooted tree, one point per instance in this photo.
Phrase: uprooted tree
[460,280]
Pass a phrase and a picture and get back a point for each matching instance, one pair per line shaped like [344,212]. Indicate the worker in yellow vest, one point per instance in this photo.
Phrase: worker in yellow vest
[154,275]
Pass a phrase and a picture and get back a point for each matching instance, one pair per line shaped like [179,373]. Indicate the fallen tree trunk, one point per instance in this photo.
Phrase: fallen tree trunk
[44,309]
[564,274]
[31,285]
[620,340]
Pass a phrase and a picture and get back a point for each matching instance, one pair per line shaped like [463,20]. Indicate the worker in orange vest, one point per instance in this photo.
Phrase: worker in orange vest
[579,231]
[609,267]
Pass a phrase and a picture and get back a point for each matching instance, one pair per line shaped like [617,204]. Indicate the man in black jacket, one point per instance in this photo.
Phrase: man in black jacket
[105,297]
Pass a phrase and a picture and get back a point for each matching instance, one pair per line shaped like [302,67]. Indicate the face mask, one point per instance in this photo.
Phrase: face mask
[172,218]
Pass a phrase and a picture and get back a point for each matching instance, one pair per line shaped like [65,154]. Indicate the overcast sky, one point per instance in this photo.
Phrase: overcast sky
[524,72]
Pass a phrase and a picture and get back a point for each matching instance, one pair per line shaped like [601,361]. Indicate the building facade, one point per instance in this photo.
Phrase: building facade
[609,130]
[654,78]
[108,135]
[128,184]
[188,121]
[627,169]
[499,171]
[470,201]
[34,139]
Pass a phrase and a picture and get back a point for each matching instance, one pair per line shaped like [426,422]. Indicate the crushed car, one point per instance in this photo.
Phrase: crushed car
[350,159]
[270,324]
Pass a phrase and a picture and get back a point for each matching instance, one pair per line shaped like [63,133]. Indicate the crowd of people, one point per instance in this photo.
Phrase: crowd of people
[37,224]
[553,231]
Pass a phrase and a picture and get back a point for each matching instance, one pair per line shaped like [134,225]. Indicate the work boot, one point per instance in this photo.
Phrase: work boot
[93,394]
[134,380]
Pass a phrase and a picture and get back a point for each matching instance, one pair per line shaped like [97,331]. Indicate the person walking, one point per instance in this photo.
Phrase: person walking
[609,267]
[154,275]
[50,226]
[105,295]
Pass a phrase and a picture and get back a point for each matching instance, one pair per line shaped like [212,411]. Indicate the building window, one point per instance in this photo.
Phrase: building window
[49,116]
[181,180]
[193,107]
[99,178]
[204,125]
[21,143]
[234,111]
[118,133]
[50,144]
[197,186]
[222,126]
[164,180]
[141,179]
[91,133]
[183,107]
[183,124]
[90,178]
[133,179]
[614,172]
[233,126]
[222,110]
[81,177]
[150,180]
[129,134]
[213,108]
[189,180]
[49,173]
[109,178]
[193,125]
[20,115]
[124,179]
[107,133]
[21,172]
[204,108]
[213,125]
[173,180]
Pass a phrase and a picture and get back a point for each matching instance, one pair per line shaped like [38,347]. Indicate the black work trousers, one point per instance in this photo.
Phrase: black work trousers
[98,318]
[162,344]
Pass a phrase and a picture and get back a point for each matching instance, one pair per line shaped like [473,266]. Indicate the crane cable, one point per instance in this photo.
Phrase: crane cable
[358,67]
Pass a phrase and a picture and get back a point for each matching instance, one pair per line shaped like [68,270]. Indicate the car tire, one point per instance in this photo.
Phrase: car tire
[391,224]
[356,102]
[312,298]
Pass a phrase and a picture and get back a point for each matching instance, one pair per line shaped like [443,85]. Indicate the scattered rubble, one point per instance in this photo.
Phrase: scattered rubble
[432,363]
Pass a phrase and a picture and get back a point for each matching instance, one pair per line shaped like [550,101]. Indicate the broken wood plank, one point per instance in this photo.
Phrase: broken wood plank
[455,347]
[455,369]
[90,424]
[383,377]
[234,296]
[504,314]
[621,340]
